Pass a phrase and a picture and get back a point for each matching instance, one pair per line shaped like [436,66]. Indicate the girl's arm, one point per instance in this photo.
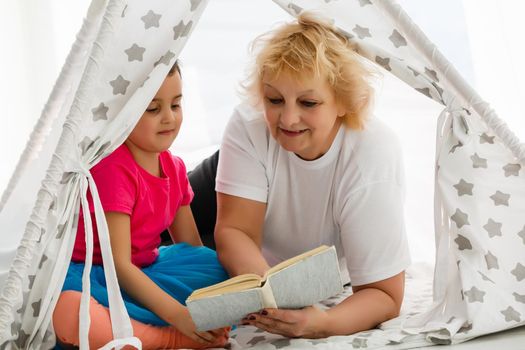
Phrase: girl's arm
[141,288]
[238,234]
[184,229]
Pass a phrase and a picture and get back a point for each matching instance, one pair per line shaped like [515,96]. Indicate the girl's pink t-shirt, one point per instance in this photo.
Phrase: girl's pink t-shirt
[150,201]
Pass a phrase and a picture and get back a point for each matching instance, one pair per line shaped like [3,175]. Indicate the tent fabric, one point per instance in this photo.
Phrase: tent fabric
[480,271]
[136,45]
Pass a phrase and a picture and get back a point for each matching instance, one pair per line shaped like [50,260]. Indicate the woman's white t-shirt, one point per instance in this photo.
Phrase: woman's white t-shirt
[352,197]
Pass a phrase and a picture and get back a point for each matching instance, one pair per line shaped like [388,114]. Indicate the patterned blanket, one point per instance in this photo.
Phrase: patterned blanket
[390,335]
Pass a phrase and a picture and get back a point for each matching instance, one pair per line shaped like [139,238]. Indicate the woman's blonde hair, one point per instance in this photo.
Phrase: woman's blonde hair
[310,47]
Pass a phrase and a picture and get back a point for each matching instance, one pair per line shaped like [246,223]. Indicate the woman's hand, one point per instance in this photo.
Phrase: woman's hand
[184,323]
[309,322]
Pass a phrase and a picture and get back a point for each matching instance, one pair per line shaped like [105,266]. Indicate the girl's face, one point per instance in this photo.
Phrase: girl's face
[302,116]
[159,125]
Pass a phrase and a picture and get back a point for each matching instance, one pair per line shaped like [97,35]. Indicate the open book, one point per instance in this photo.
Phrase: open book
[294,283]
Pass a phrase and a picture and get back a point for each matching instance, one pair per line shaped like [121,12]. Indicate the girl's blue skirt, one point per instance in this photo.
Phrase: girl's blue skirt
[178,270]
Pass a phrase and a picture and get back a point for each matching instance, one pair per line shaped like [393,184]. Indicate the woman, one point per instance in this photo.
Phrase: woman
[303,164]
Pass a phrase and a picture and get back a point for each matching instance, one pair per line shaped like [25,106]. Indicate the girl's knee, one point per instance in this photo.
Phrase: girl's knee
[65,317]
[66,320]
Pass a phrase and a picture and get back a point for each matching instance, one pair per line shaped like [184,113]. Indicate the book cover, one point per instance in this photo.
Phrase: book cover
[301,281]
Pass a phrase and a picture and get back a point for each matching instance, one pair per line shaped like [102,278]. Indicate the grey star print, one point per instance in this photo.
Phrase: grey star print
[500,198]
[295,8]
[474,295]
[522,234]
[60,231]
[165,59]
[135,53]
[384,62]
[120,85]
[431,73]
[493,228]
[181,29]
[464,188]
[424,91]
[100,112]
[22,339]
[463,242]
[484,138]
[478,162]
[14,328]
[195,4]
[256,340]
[85,144]
[453,149]
[512,170]
[42,261]
[280,343]
[519,272]
[460,218]
[511,314]
[397,39]
[362,32]
[358,343]
[491,260]
[465,328]
[36,307]
[42,233]
[363,3]
[151,19]
[520,298]
[66,177]
[31,279]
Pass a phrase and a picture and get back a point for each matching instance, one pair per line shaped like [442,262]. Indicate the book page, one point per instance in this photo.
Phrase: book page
[295,259]
[237,283]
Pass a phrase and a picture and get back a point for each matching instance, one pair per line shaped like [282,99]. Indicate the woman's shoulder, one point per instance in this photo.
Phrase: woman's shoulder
[376,137]
[247,126]
[372,154]
[247,112]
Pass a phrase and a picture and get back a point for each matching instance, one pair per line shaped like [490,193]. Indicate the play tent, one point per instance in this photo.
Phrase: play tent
[121,56]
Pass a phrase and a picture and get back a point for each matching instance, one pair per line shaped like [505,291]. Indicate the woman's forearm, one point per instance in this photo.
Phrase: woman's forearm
[238,253]
[361,311]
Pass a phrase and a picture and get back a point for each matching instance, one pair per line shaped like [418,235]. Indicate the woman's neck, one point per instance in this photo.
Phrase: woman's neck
[149,161]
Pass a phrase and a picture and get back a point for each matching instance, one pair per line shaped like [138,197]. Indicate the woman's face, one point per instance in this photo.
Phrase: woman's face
[304,116]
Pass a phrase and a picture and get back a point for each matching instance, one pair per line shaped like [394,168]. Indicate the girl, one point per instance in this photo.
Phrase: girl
[144,190]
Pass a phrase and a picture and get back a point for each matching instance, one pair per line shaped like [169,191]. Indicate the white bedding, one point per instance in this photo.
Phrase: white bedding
[418,297]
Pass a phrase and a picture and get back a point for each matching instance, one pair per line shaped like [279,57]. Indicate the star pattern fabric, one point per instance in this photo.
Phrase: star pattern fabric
[492,261]
[512,170]
[500,198]
[100,112]
[151,19]
[135,47]
[475,295]
[120,85]
[464,188]
[493,228]
[135,53]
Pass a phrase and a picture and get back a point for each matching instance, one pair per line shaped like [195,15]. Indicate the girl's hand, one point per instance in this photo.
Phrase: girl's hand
[184,323]
[309,322]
